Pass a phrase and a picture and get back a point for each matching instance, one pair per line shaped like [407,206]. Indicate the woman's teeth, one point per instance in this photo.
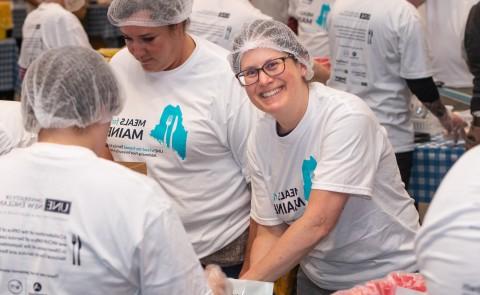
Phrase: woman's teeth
[271,92]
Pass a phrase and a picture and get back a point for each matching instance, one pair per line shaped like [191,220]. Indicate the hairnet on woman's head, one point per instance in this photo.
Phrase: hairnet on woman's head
[67,87]
[148,13]
[269,34]
[74,5]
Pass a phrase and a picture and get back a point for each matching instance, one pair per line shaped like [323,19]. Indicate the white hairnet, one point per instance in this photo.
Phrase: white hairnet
[149,13]
[69,86]
[74,5]
[269,34]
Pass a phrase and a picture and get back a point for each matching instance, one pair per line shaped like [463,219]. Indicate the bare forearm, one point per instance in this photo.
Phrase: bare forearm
[264,241]
[437,108]
[252,232]
[296,241]
[287,252]
[320,73]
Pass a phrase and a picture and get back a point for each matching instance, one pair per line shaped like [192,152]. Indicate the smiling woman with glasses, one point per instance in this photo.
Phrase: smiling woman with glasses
[272,68]
[326,191]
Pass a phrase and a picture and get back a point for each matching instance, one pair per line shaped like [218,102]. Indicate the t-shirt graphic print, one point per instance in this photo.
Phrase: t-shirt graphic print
[170,130]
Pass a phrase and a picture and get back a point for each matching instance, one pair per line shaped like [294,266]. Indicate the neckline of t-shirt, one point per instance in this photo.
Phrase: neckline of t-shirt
[185,64]
[295,134]
[56,150]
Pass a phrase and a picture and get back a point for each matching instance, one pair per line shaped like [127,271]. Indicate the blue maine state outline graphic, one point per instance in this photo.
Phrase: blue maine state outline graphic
[308,167]
[171,132]
[322,17]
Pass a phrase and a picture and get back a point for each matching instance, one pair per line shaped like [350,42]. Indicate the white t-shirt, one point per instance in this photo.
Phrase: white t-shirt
[278,9]
[219,21]
[375,46]
[49,26]
[447,244]
[12,132]
[312,24]
[337,146]
[72,223]
[190,125]
[445,21]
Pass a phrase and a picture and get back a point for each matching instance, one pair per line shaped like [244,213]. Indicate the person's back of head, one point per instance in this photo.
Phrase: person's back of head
[69,87]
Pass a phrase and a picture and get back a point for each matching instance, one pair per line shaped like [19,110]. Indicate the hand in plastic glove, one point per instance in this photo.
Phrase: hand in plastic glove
[217,281]
[473,137]
[454,124]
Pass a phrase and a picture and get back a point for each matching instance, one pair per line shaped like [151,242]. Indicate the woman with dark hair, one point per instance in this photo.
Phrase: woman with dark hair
[188,119]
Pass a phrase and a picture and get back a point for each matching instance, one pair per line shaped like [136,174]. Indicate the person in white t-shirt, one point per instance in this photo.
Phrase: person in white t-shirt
[51,25]
[326,191]
[219,21]
[188,119]
[447,245]
[445,20]
[379,52]
[71,222]
[12,132]
[277,9]
[311,17]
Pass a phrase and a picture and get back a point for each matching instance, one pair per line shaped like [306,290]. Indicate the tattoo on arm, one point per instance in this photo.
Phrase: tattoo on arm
[436,107]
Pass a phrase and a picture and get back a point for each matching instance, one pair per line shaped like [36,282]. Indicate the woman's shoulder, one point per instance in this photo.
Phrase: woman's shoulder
[210,52]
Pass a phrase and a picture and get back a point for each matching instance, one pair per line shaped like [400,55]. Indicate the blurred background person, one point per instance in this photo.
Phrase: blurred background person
[88,226]
[219,21]
[445,20]
[188,119]
[311,19]
[12,132]
[472,49]
[51,25]
[277,9]
[308,19]
[326,191]
[379,52]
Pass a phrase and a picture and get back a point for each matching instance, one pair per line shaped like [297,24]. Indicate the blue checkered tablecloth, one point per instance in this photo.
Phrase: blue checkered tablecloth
[8,64]
[431,161]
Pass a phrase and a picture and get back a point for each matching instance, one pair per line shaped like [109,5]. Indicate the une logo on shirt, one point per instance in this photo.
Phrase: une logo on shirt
[57,206]
[365,16]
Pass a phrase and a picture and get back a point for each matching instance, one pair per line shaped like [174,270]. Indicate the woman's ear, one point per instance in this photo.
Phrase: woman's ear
[303,70]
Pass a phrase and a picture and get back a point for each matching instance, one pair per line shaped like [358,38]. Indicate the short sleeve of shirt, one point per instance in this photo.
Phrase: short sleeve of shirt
[349,155]
[415,61]
[66,30]
[262,210]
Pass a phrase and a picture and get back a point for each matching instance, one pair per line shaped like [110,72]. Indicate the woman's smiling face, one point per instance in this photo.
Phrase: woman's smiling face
[273,95]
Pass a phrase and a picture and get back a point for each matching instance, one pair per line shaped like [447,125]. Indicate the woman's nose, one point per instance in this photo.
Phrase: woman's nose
[136,49]
[263,78]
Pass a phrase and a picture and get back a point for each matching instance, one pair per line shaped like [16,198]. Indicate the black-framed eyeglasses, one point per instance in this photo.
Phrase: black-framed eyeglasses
[271,68]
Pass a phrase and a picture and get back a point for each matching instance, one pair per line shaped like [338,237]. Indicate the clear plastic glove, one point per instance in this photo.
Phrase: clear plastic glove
[217,281]
[455,126]
[473,137]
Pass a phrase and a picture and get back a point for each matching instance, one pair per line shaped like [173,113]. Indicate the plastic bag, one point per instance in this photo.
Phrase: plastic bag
[244,287]
[217,281]
[389,285]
